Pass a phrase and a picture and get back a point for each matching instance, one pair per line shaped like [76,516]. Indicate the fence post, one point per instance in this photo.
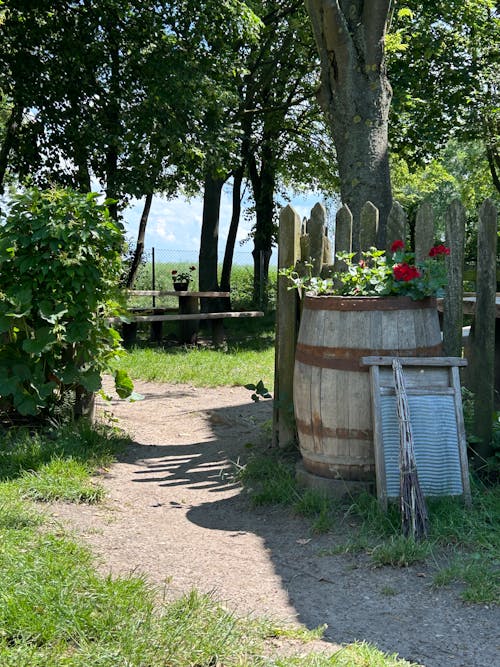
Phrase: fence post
[286,330]
[396,225]
[327,248]
[316,231]
[368,228]
[343,235]
[153,275]
[424,231]
[453,300]
[483,337]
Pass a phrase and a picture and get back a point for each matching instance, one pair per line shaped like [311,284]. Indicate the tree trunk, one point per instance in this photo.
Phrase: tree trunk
[356,96]
[263,185]
[13,123]
[227,265]
[210,237]
[139,247]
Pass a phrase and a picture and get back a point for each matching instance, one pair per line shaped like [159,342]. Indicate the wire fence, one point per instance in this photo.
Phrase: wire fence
[155,273]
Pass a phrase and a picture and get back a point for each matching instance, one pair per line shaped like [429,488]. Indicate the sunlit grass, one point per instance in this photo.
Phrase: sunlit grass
[201,367]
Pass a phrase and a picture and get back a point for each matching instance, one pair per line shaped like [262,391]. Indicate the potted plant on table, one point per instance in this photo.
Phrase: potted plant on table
[182,278]
[377,305]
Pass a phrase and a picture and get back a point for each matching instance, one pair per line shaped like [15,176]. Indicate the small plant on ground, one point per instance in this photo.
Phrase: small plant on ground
[259,391]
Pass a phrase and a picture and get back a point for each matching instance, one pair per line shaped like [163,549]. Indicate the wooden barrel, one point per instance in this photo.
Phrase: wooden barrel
[332,390]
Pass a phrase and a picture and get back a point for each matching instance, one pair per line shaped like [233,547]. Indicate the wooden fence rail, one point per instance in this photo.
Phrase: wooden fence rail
[311,243]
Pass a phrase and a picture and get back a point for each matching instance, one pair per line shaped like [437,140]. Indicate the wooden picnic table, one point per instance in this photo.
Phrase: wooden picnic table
[187,314]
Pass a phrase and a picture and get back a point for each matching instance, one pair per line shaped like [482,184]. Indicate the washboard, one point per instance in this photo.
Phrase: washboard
[435,403]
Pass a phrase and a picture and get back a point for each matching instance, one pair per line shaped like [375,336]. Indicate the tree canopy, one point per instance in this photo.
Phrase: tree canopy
[124,92]
[444,68]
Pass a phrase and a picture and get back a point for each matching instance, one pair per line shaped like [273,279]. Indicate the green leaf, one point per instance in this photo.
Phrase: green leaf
[9,386]
[5,323]
[53,316]
[43,341]
[21,372]
[123,384]
[91,380]
[135,396]
[25,404]
[47,389]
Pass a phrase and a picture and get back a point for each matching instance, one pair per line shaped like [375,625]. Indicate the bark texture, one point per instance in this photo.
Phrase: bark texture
[356,96]
[263,185]
[210,239]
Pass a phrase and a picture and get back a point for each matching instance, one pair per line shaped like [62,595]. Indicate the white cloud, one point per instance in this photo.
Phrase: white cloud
[175,224]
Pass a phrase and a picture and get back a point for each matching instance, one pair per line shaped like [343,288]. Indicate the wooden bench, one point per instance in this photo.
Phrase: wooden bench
[187,314]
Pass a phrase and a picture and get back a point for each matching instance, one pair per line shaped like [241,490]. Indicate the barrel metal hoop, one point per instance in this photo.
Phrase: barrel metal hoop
[349,359]
[362,304]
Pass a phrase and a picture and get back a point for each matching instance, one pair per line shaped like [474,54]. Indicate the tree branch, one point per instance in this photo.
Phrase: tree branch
[374,19]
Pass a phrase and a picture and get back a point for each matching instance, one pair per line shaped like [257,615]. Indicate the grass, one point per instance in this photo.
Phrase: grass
[56,611]
[463,544]
[200,367]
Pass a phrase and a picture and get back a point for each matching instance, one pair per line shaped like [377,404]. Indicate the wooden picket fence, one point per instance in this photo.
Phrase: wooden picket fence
[309,241]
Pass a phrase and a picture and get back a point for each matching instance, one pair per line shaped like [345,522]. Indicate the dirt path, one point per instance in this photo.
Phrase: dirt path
[175,514]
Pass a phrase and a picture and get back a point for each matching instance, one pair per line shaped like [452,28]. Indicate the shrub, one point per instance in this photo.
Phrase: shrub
[59,269]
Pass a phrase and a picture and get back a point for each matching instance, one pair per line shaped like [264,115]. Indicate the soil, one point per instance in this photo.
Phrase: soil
[175,514]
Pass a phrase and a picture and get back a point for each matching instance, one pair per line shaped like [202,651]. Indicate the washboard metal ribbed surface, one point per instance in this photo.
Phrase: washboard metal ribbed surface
[435,405]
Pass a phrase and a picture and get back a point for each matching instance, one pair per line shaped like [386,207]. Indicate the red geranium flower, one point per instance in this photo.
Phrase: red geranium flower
[174,272]
[439,250]
[397,245]
[405,272]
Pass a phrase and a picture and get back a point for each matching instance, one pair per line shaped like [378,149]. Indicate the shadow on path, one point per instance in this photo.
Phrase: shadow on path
[395,609]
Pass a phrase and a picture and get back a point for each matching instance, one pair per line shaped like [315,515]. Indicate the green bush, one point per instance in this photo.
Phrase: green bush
[59,269]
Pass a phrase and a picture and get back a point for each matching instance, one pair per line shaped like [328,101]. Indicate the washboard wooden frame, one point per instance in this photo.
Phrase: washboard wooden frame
[427,377]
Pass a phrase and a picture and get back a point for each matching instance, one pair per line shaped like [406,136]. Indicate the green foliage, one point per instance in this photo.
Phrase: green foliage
[445,79]
[60,479]
[301,279]
[126,91]
[59,267]
[399,551]
[373,275]
[259,391]
[23,450]
[269,480]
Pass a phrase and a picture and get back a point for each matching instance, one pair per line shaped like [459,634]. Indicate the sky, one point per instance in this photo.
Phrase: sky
[174,226]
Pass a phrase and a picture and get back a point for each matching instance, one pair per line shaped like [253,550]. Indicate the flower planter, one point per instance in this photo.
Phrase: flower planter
[332,390]
[181,287]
